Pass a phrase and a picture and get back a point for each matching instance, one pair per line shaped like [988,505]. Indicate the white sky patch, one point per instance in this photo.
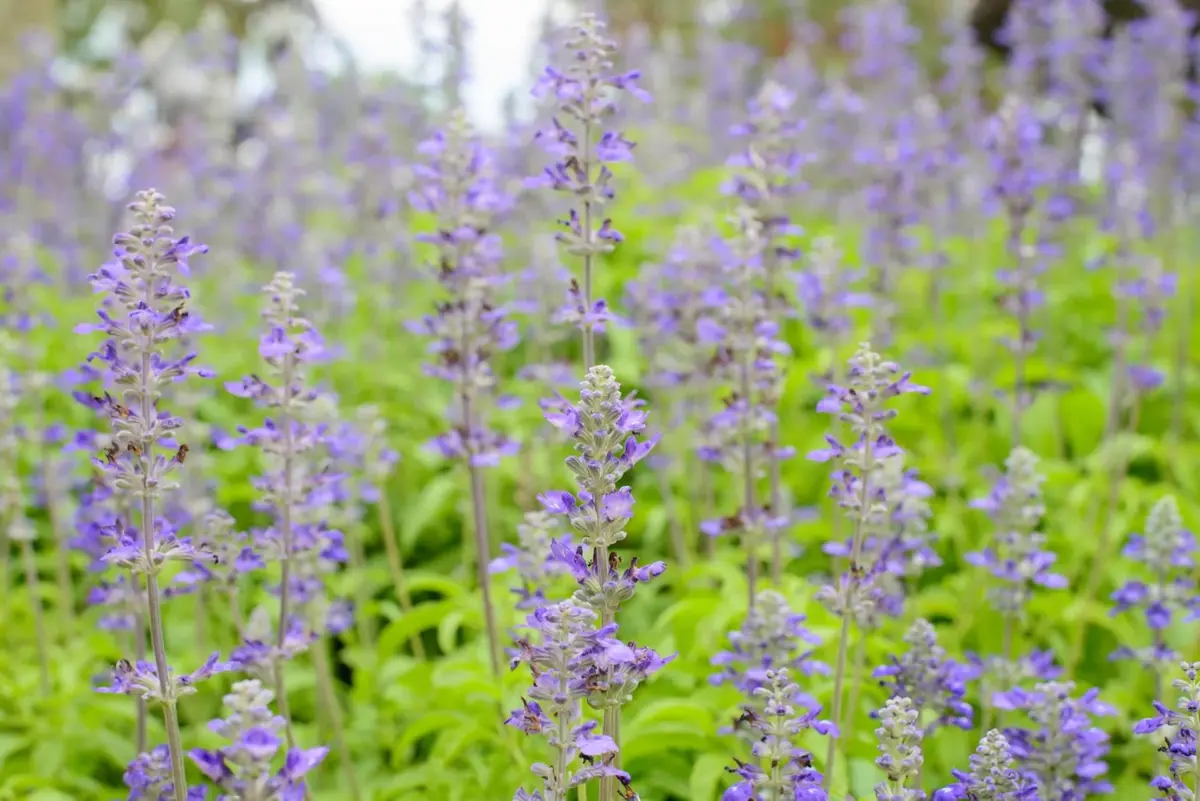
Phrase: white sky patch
[501,39]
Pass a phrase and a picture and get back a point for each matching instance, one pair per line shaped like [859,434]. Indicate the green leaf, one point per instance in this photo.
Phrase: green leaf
[706,777]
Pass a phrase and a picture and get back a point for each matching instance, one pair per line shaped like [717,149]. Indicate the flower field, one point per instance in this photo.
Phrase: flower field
[720,428]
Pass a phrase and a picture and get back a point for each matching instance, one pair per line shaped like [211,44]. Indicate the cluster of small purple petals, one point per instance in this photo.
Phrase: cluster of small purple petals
[148,778]
[1151,289]
[896,539]
[142,680]
[862,405]
[602,587]
[12,500]
[605,428]
[1166,549]
[781,768]
[992,776]
[226,556]
[748,345]
[771,638]
[676,304]
[1063,752]
[766,172]
[300,481]
[569,658]
[535,557]
[261,647]
[584,94]
[900,758]
[243,769]
[153,313]
[1182,725]
[934,683]
[469,327]
[826,291]
[1017,557]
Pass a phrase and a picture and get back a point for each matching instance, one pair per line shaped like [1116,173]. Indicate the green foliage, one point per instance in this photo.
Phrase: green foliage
[433,729]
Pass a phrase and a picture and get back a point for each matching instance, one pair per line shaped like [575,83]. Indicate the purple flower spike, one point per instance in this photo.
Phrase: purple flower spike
[255,738]
[1166,552]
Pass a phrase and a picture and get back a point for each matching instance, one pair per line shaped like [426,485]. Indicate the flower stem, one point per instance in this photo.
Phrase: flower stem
[864,495]
[358,564]
[139,654]
[334,710]
[483,548]
[1120,466]
[589,334]
[396,565]
[284,501]
[149,525]
[35,603]
[66,592]
[749,513]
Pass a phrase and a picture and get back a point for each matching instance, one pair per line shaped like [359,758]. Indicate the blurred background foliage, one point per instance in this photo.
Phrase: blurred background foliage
[769,26]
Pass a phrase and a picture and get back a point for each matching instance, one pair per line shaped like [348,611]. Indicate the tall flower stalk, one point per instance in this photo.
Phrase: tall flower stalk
[584,94]
[1167,552]
[738,435]
[1012,139]
[290,343]
[766,180]
[605,428]
[469,328]
[1183,726]
[860,404]
[144,312]
[17,526]
[1016,557]
[900,758]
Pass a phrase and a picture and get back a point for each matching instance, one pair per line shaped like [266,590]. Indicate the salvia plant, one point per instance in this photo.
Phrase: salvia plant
[145,314]
[291,447]
[584,92]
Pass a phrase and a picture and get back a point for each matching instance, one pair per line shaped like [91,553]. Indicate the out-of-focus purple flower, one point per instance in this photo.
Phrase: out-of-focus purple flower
[900,758]
[458,186]
[243,768]
[148,778]
[748,347]
[300,484]
[1017,557]
[775,725]
[535,558]
[1063,752]
[568,657]
[934,683]
[1182,727]
[1166,550]
[992,776]
[772,637]
[858,484]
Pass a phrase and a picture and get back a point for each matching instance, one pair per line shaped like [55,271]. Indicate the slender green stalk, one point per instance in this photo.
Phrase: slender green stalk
[66,590]
[856,546]
[482,549]
[396,565]
[149,527]
[333,709]
[589,334]
[33,587]
[362,589]
[285,529]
